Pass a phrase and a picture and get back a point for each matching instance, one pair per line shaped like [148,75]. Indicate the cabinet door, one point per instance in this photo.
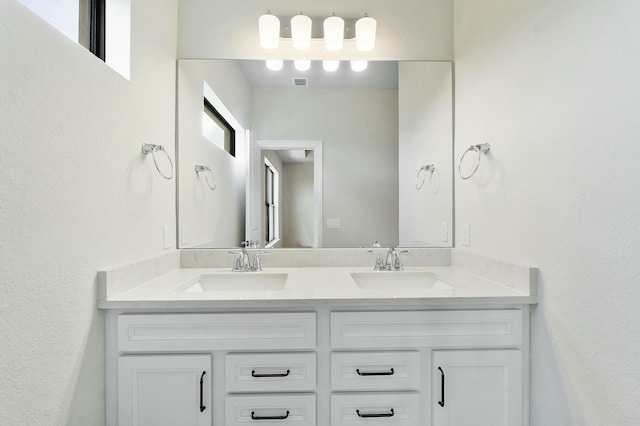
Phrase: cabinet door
[164,390]
[477,388]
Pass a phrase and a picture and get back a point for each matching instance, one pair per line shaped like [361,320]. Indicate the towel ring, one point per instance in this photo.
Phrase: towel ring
[212,183]
[482,148]
[426,169]
[149,148]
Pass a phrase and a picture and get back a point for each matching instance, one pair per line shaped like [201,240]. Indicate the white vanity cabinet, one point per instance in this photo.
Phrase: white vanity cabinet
[164,390]
[347,366]
[213,369]
[476,388]
[462,367]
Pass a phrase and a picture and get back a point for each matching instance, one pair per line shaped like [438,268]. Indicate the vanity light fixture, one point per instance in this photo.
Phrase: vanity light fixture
[333,27]
[366,33]
[301,32]
[331,65]
[275,64]
[302,64]
[269,30]
[358,66]
[333,33]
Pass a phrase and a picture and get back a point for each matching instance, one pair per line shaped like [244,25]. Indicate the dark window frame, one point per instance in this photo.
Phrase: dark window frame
[232,132]
[97,28]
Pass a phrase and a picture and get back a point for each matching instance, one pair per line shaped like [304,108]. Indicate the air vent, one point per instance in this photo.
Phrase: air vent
[300,82]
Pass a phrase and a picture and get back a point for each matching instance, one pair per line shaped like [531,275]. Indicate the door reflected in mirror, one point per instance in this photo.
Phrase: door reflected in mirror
[331,163]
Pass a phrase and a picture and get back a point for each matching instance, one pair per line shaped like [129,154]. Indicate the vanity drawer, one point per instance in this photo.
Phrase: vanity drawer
[290,409]
[228,331]
[411,329]
[397,409]
[275,372]
[363,371]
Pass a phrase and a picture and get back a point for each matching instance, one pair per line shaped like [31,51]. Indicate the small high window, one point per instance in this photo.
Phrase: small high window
[218,130]
[83,21]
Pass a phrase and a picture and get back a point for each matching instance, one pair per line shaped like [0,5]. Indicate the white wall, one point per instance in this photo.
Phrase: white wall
[554,87]
[76,196]
[297,200]
[212,218]
[359,129]
[425,108]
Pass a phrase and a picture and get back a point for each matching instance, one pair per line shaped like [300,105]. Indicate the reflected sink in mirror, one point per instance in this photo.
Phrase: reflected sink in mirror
[239,281]
[386,280]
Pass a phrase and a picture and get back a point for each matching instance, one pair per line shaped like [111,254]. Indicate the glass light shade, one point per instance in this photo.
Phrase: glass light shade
[358,66]
[301,32]
[366,33]
[302,64]
[333,33]
[274,64]
[330,66]
[269,30]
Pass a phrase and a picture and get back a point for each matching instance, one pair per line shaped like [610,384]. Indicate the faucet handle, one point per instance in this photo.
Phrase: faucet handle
[378,265]
[257,265]
[238,264]
[398,266]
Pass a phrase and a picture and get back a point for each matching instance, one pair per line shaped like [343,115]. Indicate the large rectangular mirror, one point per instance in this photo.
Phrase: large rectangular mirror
[315,159]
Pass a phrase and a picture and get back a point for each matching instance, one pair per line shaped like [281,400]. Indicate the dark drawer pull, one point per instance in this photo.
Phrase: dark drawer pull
[375,373]
[441,402]
[254,374]
[254,417]
[364,416]
[202,406]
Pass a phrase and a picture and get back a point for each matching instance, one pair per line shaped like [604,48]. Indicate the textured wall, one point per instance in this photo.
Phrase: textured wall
[554,87]
[76,197]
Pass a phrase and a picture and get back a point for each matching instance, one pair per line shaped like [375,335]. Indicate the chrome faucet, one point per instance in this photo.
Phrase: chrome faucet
[243,262]
[392,262]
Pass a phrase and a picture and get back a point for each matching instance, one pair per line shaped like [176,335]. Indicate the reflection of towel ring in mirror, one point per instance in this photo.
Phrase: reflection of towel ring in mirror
[482,148]
[212,182]
[426,169]
[149,148]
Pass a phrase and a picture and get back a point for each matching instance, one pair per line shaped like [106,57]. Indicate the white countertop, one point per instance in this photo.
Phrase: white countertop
[312,286]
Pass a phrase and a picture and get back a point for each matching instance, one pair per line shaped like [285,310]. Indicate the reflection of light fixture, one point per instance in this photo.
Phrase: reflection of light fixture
[301,31]
[358,66]
[365,33]
[333,33]
[274,64]
[269,30]
[330,66]
[302,64]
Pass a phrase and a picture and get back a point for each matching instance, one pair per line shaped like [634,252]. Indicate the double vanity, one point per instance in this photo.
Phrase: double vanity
[443,342]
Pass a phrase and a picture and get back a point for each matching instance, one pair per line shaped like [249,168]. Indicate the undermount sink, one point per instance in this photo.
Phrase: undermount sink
[401,280]
[238,281]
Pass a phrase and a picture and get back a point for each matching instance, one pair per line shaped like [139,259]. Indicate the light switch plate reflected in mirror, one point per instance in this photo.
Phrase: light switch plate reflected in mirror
[466,234]
[333,223]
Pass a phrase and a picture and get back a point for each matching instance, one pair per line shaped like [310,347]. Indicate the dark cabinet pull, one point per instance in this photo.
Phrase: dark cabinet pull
[375,373]
[364,416]
[202,407]
[254,417]
[441,402]
[254,374]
